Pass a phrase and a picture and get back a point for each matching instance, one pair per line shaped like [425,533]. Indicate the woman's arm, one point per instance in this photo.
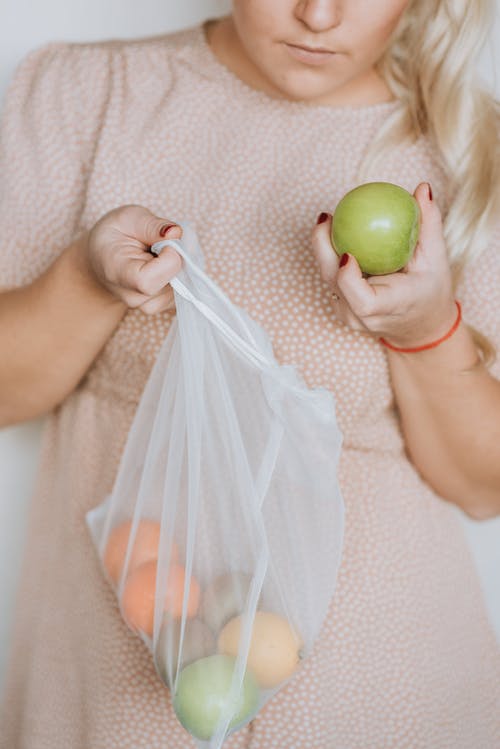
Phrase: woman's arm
[449,407]
[52,329]
[50,332]
[448,402]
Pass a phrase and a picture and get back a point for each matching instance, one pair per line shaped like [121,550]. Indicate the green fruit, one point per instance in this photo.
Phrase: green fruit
[378,223]
[202,696]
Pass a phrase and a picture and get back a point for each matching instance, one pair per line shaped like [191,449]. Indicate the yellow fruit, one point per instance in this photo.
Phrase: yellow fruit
[274,647]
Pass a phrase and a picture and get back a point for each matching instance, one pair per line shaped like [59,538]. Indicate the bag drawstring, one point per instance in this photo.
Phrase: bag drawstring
[236,340]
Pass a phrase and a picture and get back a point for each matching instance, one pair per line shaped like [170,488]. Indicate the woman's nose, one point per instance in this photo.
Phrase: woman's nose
[319,15]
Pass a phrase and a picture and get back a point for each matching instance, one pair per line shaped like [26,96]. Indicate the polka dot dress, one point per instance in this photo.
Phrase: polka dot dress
[406,658]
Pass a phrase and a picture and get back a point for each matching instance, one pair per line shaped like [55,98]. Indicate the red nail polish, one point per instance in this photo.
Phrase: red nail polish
[343,260]
[165,228]
[322,218]
[430,191]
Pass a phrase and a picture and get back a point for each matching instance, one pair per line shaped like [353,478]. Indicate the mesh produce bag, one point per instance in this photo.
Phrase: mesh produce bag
[222,535]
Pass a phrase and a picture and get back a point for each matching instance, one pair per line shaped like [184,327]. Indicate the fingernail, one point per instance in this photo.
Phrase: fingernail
[430,191]
[165,228]
[343,260]
[322,218]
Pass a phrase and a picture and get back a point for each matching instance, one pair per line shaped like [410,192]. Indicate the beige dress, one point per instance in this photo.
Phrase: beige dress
[406,658]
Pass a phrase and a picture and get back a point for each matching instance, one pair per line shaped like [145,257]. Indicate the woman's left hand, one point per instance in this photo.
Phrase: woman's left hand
[409,308]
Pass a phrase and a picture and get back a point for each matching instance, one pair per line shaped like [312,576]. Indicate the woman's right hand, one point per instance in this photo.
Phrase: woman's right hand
[118,257]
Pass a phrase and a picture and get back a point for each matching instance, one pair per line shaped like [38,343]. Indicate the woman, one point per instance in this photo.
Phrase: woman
[236,127]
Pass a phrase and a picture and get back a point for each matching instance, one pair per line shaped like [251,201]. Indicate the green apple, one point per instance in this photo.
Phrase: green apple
[202,696]
[378,223]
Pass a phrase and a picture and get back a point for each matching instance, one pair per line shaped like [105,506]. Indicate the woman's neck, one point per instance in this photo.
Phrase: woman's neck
[225,45]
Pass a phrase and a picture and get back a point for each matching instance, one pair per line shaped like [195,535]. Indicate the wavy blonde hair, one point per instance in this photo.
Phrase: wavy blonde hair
[430,66]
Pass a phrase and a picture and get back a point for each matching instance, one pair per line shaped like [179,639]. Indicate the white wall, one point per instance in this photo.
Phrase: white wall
[29,23]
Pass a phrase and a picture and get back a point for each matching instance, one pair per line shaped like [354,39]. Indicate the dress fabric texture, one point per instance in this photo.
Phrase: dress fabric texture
[406,658]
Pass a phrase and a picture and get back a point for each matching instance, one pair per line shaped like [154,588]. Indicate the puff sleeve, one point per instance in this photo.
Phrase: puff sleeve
[49,125]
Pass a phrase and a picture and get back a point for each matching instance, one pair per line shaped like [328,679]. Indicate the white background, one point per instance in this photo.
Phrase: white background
[25,24]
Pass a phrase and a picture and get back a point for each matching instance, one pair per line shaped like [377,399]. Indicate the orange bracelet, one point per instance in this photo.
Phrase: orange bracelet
[427,345]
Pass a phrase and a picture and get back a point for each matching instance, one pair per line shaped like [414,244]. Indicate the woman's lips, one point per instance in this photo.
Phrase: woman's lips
[310,58]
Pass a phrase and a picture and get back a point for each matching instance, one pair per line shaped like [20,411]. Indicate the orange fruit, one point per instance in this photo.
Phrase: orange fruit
[175,593]
[138,599]
[145,548]
[274,648]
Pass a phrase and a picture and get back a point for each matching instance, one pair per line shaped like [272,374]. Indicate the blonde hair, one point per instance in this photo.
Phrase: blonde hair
[430,66]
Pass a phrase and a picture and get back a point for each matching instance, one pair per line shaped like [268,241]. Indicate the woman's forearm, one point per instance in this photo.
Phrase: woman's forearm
[50,333]
[450,413]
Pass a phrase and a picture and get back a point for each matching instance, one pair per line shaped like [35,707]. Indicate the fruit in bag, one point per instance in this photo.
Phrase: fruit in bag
[138,599]
[274,652]
[239,460]
[203,693]
[145,547]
